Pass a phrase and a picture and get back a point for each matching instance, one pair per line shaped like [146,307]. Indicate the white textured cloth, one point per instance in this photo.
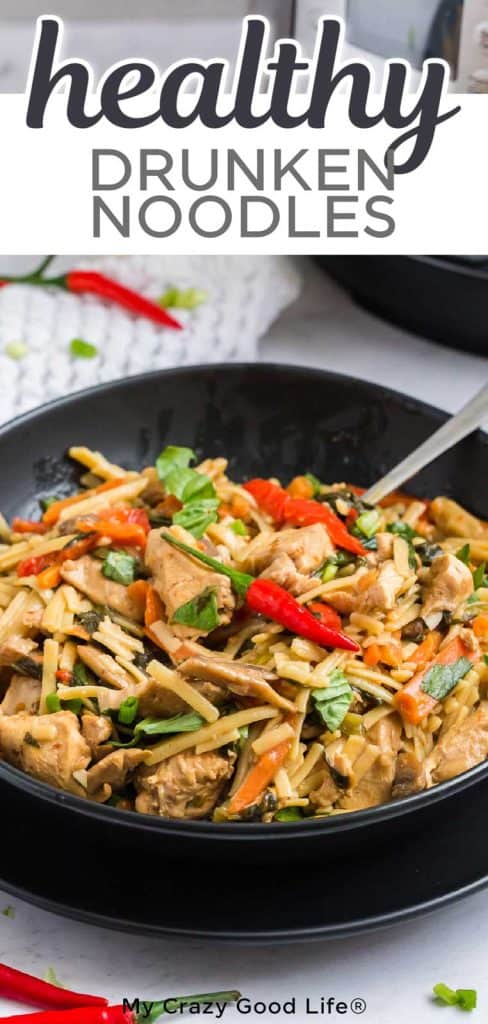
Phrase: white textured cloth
[245,295]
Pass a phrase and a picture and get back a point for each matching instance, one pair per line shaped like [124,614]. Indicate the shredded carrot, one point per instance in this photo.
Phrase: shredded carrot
[28,526]
[412,701]
[387,654]
[371,655]
[154,607]
[53,513]
[49,578]
[259,777]
[480,627]
[300,487]
[426,650]
[63,676]
[240,507]
[137,591]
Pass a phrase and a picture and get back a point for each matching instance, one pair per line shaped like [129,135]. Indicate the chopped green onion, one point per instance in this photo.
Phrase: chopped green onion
[16,349]
[82,349]
[188,298]
[239,528]
[8,912]
[479,576]
[53,703]
[314,482]
[128,710]
[329,572]
[368,523]
[288,814]
[465,998]
[81,675]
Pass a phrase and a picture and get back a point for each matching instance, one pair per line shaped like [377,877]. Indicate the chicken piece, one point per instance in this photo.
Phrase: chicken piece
[187,785]
[344,601]
[447,584]
[86,575]
[455,521]
[179,578]
[327,793]
[462,747]
[114,770]
[15,648]
[23,694]
[53,759]
[384,550]
[409,776]
[156,701]
[96,730]
[375,785]
[103,666]
[238,677]
[380,589]
[283,571]
[308,547]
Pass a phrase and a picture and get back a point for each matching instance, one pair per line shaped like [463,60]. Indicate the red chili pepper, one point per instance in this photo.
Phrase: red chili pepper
[302,512]
[34,565]
[325,614]
[92,283]
[73,550]
[27,526]
[267,598]
[80,1015]
[63,676]
[25,988]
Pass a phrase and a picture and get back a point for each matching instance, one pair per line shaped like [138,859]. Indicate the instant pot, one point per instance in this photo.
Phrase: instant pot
[444,298]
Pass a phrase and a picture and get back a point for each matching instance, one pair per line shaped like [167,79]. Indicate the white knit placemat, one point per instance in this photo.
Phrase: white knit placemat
[245,295]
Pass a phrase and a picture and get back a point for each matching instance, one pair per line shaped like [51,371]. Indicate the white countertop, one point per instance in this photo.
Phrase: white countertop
[393,970]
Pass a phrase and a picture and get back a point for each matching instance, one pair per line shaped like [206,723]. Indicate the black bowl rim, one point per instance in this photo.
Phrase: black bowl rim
[232,831]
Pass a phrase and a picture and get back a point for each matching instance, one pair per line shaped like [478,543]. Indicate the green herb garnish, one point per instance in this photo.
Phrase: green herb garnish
[16,350]
[173,457]
[464,554]
[332,702]
[53,703]
[128,710]
[441,679]
[50,977]
[314,482]
[82,349]
[162,726]
[329,572]
[465,998]
[200,613]
[479,579]
[9,912]
[288,814]
[196,516]
[188,298]
[239,528]
[82,675]
[120,567]
[368,523]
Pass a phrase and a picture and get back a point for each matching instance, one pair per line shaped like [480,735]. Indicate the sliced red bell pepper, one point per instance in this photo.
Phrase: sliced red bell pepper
[302,512]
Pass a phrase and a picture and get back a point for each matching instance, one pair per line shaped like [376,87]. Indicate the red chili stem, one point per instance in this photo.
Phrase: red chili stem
[25,988]
[269,599]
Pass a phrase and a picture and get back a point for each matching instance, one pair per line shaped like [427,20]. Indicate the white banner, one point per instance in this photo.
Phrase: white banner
[240,190]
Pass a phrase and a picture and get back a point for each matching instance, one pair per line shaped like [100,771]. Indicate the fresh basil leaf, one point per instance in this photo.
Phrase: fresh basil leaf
[464,554]
[173,457]
[188,485]
[200,613]
[288,814]
[197,515]
[120,567]
[179,723]
[128,710]
[90,621]
[332,702]
[479,576]
[441,679]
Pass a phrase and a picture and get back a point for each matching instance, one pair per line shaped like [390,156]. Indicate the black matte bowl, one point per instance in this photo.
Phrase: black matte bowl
[266,419]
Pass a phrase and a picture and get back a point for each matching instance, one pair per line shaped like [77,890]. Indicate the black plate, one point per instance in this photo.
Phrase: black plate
[386,884]
[267,419]
[444,298]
